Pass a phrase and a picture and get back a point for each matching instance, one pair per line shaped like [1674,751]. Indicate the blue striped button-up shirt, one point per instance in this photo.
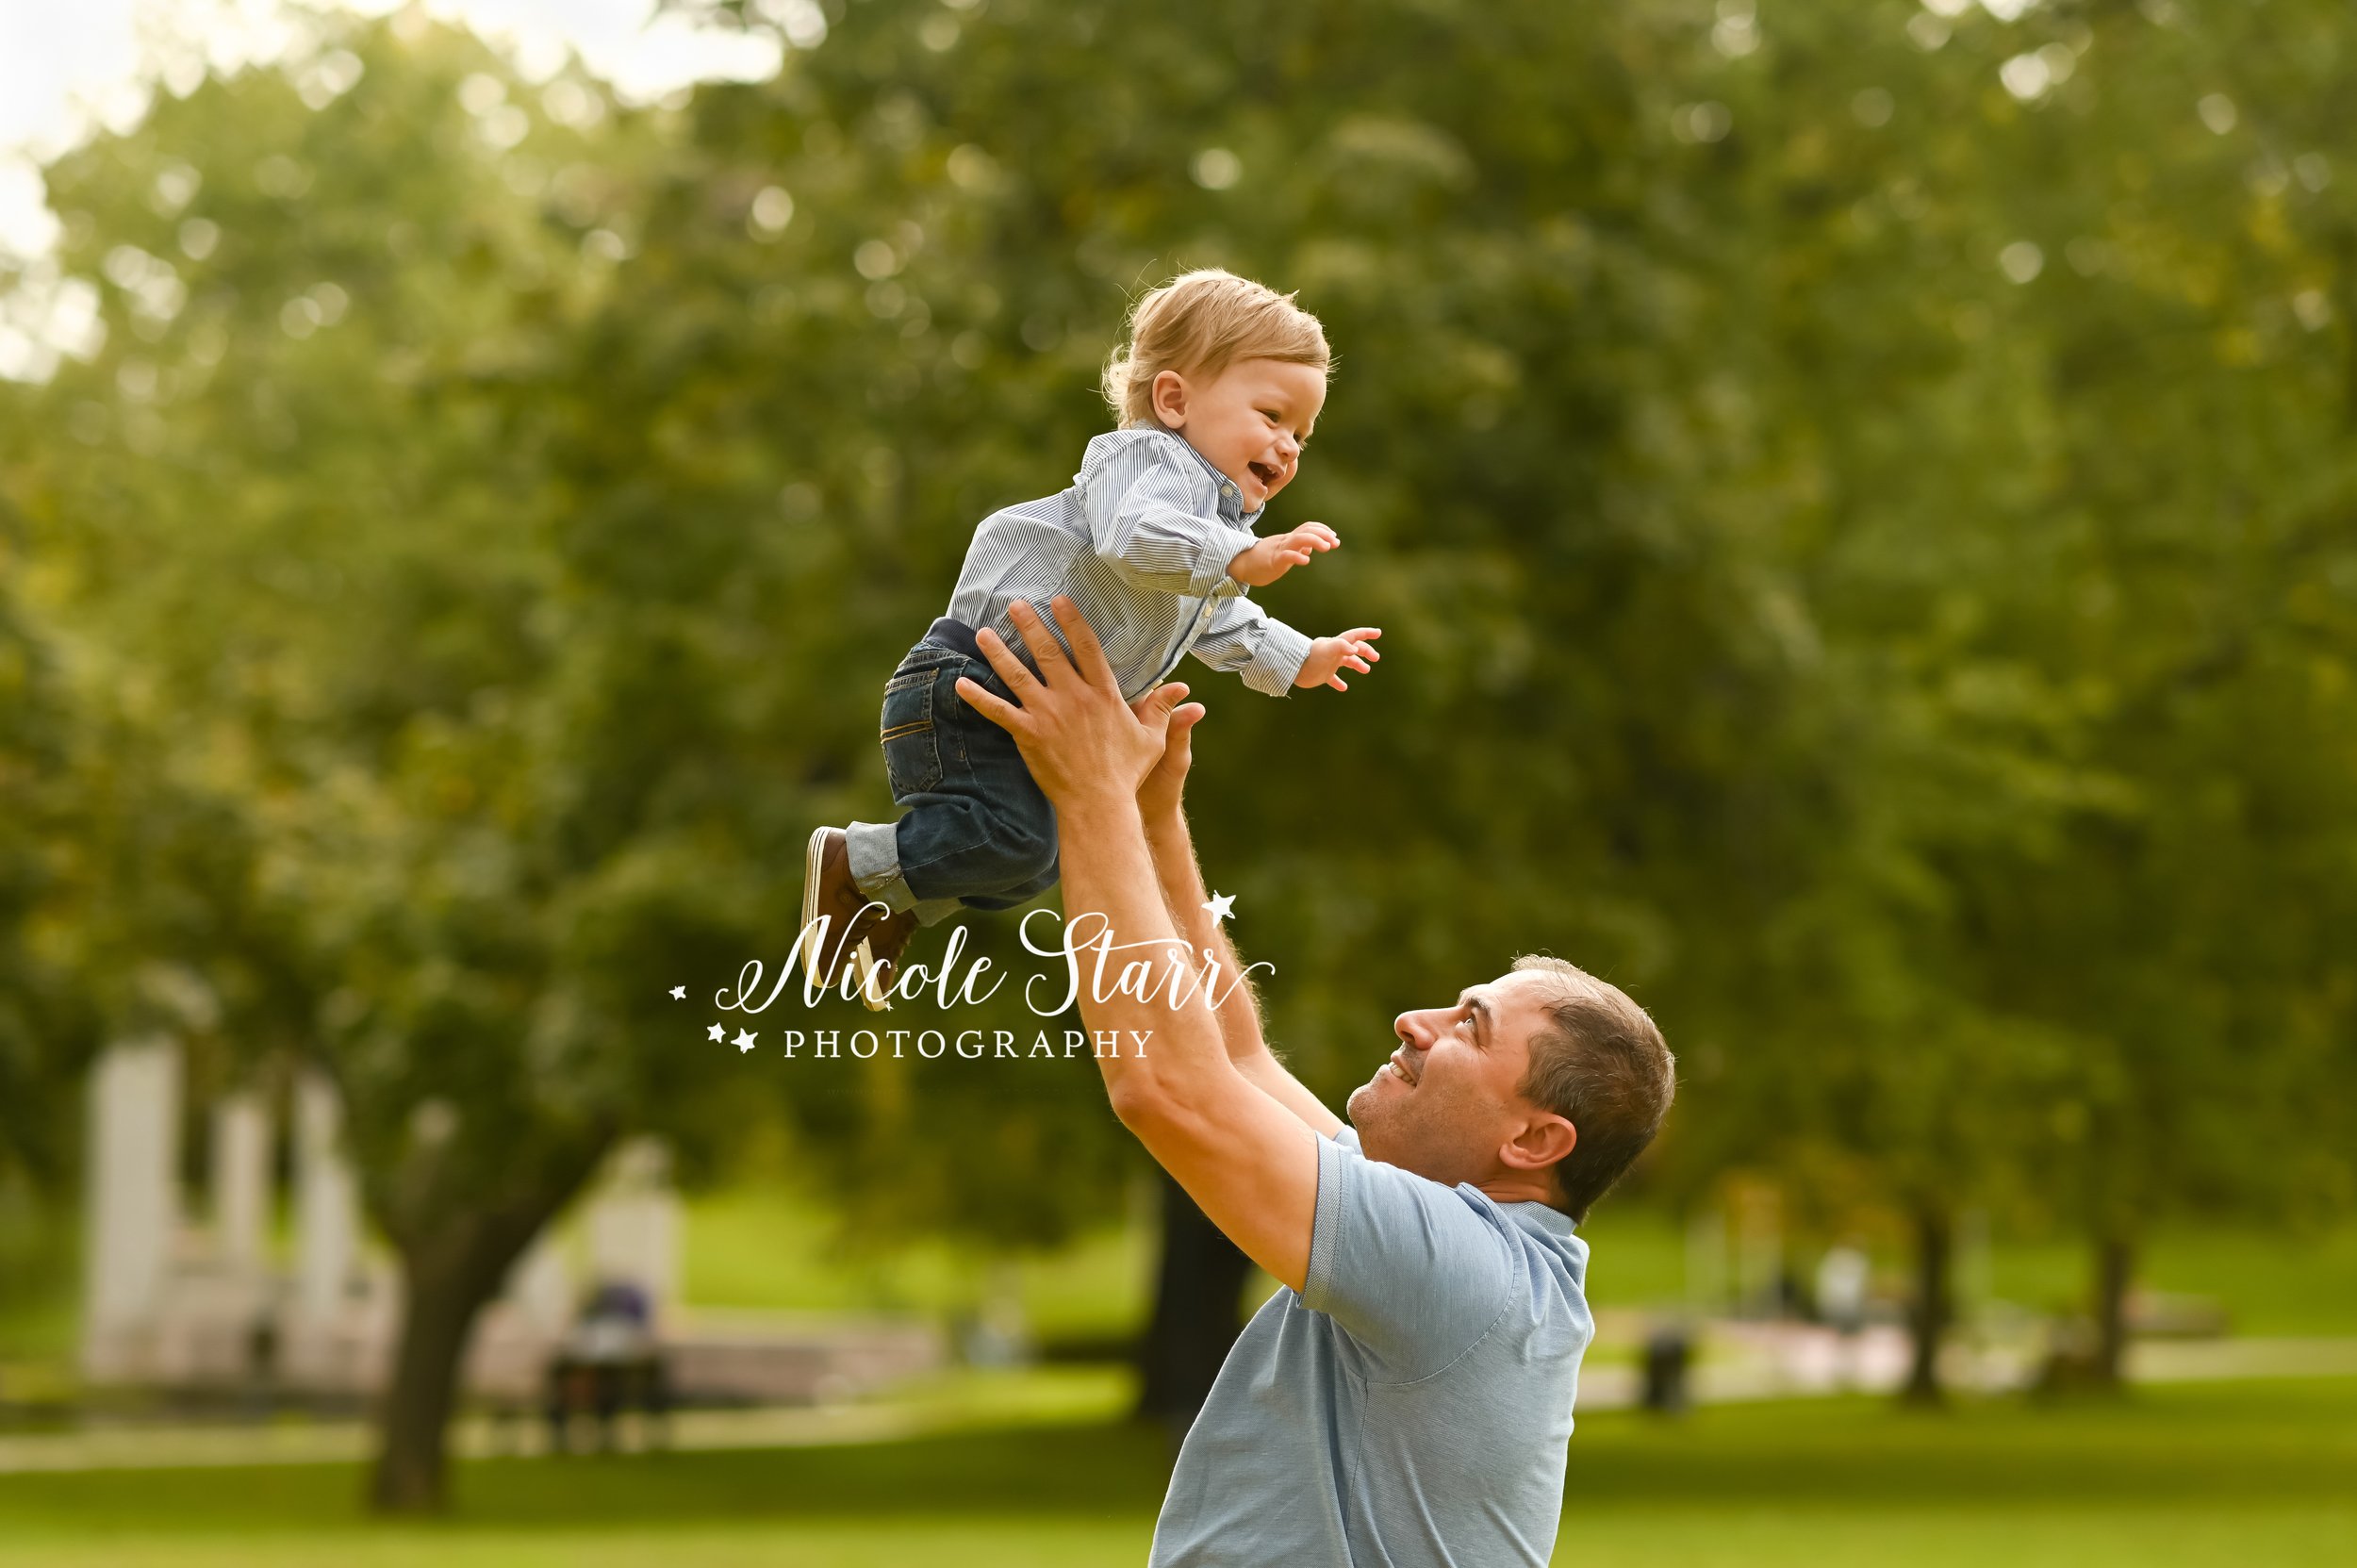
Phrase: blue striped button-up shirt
[1140,542]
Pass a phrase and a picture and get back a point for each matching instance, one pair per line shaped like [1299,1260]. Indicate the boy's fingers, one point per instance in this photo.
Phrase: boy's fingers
[991,705]
[1001,658]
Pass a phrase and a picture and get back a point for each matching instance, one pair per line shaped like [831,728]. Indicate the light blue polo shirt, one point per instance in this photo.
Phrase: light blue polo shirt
[1410,1406]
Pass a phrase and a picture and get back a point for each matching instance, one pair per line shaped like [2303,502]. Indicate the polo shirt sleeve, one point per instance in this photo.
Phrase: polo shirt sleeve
[1413,1271]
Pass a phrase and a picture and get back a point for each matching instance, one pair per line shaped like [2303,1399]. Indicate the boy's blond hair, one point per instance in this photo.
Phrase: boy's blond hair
[1200,323]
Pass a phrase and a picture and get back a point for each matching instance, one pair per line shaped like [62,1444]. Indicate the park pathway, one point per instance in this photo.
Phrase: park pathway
[1746,1362]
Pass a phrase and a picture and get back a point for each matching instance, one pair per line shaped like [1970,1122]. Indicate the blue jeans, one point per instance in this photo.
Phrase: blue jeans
[974,832]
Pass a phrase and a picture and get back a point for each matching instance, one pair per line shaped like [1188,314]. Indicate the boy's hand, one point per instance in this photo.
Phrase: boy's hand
[1263,563]
[1353,650]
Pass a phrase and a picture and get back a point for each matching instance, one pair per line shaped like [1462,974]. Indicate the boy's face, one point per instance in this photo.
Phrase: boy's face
[1251,420]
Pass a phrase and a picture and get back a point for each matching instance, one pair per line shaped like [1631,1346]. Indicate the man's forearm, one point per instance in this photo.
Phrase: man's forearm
[1182,881]
[1239,1009]
[1110,874]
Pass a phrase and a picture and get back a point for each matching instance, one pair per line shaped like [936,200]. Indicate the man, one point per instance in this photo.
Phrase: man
[1406,1399]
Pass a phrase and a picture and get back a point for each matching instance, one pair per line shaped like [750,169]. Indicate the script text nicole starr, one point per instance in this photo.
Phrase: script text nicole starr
[1092,966]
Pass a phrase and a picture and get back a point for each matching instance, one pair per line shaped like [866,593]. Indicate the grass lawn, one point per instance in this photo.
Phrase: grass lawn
[765,1246]
[2224,1474]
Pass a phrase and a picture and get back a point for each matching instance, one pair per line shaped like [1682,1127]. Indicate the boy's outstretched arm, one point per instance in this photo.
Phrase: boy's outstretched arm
[1268,559]
[1183,893]
[1246,639]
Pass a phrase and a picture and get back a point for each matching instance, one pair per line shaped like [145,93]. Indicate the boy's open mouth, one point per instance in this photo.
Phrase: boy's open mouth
[1264,472]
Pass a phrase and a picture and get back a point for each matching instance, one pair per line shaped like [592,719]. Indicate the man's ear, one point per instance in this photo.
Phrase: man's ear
[1170,398]
[1543,1139]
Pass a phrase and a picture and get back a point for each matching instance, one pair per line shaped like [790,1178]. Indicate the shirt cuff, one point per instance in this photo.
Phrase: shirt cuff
[1277,659]
[1211,564]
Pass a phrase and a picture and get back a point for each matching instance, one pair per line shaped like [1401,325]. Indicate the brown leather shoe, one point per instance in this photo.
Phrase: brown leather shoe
[856,925]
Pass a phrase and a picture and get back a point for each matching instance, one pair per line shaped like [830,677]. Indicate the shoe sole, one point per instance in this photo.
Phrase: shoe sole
[863,963]
[814,857]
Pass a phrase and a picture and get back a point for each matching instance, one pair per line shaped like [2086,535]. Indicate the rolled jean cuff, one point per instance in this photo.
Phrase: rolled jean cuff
[873,849]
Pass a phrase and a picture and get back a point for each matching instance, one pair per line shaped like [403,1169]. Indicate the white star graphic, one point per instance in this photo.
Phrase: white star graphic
[716,1033]
[1222,905]
[742,1042]
[679,992]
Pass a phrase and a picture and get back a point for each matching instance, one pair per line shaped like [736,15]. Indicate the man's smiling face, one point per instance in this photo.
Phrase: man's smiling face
[1449,1100]
[1249,422]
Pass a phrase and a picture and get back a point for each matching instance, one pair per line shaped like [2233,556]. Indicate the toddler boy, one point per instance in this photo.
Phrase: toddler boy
[1216,390]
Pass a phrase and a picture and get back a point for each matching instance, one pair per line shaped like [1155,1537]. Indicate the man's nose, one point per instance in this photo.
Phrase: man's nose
[1412,1027]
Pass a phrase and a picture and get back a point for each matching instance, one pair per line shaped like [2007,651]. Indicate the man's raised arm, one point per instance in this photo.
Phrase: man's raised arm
[1248,1161]
[1189,902]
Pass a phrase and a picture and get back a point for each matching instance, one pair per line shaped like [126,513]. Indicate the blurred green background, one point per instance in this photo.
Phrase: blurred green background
[1862,502]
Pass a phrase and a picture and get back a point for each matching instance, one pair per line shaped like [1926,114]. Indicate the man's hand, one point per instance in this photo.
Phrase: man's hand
[1083,744]
[1263,563]
[1158,797]
[1329,657]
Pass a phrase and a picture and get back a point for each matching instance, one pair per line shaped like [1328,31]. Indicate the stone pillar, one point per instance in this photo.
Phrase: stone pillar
[541,1286]
[242,1150]
[326,1203]
[132,1209]
[633,1222]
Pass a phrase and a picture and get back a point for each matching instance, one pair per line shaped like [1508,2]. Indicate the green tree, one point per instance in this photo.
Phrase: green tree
[44,1029]
[297,510]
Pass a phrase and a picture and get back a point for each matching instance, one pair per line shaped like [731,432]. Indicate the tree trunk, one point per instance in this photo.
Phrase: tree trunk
[456,1248]
[2115,1271]
[458,1235]
[1928,1314]
[1198,1312]
[446,1287]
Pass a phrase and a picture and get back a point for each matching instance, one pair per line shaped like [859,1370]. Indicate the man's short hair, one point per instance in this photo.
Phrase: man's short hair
[1600,1063]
